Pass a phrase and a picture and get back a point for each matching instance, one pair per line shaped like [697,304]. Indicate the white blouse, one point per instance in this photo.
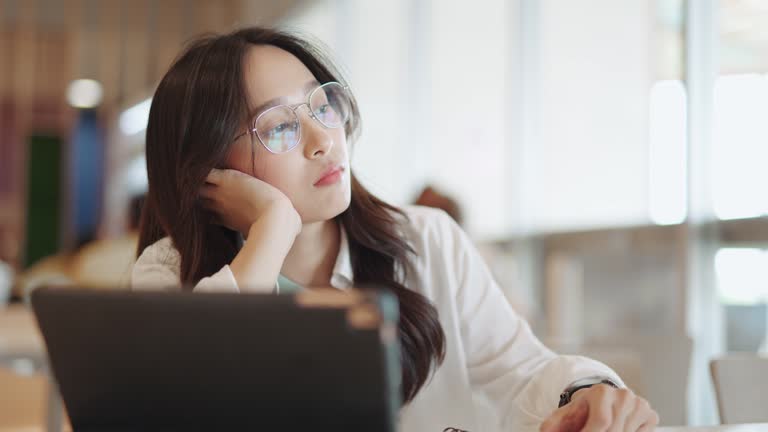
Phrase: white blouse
[496,374]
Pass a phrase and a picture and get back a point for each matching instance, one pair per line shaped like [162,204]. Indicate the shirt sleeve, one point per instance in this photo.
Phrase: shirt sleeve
[158,269]
[520,378]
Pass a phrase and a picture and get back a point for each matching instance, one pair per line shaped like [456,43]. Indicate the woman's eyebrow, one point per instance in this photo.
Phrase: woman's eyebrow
[308,87]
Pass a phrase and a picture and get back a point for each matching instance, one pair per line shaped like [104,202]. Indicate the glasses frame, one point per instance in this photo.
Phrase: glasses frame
[294,108]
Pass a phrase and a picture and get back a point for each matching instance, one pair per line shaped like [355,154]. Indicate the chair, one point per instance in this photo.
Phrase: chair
[740,383]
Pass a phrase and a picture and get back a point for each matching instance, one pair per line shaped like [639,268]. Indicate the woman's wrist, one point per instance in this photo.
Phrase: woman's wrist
[583,384]
[282,215]
[270,238]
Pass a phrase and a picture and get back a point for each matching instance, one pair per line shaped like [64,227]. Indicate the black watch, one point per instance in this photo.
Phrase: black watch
[567,394]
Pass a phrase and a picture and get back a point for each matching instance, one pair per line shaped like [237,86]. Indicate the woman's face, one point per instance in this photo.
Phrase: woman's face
[276,77]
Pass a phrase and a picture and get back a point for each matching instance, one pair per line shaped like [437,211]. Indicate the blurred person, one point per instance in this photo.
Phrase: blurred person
[248,138]
[429,197]
[101,263]
[108,262]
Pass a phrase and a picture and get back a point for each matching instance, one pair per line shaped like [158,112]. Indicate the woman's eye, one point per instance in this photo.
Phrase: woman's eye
[279,128]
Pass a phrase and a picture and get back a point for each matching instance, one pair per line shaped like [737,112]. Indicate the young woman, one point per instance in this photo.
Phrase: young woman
[249,135]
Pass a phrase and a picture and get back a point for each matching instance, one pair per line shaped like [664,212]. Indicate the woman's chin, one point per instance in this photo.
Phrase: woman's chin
[324,211]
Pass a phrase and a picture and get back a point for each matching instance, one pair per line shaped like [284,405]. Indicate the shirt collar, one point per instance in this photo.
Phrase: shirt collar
[342,276]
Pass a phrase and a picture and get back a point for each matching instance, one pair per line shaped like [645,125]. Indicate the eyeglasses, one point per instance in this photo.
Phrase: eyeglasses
[279,129]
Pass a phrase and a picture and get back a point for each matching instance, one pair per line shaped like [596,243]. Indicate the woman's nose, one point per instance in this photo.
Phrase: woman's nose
[317,141]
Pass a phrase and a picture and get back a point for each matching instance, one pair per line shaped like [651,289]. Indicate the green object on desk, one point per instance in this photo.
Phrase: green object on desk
[288,286]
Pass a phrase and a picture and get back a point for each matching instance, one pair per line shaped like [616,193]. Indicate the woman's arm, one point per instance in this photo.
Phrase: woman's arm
[518,375]
[254,269]
[257,265]
[259,211]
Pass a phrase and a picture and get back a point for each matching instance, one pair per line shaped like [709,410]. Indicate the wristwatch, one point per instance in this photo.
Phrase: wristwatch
[583,383]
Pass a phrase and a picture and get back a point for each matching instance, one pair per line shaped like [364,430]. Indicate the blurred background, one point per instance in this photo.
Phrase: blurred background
[608,157]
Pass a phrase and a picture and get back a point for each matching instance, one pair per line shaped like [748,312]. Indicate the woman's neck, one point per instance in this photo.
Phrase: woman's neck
[313,255]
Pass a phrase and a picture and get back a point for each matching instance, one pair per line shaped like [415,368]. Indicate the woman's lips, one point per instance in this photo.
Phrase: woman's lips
[330,177]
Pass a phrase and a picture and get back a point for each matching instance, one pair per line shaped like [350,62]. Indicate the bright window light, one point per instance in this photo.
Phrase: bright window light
[667,152]
[134,119]
[742,275]
[739,149]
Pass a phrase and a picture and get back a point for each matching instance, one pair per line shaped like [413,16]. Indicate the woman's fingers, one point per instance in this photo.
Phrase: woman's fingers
[568,418]
[642,414]
[623,406]
[214,177]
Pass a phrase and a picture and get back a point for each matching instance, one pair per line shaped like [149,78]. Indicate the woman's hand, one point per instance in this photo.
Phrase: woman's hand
[603,408]
[239,200]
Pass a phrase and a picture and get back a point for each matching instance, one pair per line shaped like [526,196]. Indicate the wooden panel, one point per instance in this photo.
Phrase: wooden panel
[170,37]
[217,16]
[51,14]
[8,150]
[25,47]
[52,58]
[74,25]
[136,46]
[110,53]
[6,56]
[189,22]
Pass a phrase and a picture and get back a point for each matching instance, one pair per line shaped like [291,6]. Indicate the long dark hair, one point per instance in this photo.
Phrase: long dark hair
[196,111]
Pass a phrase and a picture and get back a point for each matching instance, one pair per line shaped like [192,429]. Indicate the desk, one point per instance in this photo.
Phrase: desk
[20,340]
[19,336]
[756,427]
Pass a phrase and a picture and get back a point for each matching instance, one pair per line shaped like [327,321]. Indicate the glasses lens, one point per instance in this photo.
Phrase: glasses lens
[278,129]
[330,104]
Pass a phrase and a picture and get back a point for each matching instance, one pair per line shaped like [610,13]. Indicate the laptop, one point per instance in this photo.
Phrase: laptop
[317,360]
